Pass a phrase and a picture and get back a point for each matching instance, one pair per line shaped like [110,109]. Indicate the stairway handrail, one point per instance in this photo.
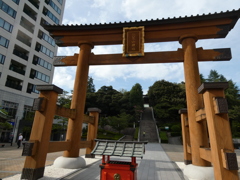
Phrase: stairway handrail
[159,140]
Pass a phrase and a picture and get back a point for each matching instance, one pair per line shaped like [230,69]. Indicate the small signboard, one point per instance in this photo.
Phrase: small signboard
[133,41]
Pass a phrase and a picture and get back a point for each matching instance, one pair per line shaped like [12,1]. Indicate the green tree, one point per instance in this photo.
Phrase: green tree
[5,125]
[136,95]
[119,122]
[214,76]
[167,98]
[231,93]
[90,86]
[107,100]
[64,99]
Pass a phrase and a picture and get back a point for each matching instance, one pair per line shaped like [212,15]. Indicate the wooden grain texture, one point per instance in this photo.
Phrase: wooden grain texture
[92,131]
[200,115]
[198,131]
[185,138]
[58,146]
[148,58]
[41,131]
[65,112]
[74,129]
[219,134]
[205,153]
[158,32]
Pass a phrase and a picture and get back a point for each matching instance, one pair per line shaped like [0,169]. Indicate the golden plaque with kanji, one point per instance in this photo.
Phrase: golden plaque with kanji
[133,41]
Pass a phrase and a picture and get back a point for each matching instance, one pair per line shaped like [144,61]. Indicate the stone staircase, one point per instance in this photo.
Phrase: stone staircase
[127,138]
[148,125]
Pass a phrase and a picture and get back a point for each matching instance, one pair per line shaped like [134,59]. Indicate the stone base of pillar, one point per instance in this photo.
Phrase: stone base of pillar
[192,172]
[69,163]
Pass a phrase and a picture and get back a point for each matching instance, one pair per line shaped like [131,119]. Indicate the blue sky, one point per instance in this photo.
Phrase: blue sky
[126,76]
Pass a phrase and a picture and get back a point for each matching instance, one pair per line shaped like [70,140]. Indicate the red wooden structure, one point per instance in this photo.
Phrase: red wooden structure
[115,169]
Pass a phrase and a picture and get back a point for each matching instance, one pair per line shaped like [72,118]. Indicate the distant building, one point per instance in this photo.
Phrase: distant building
[26,53]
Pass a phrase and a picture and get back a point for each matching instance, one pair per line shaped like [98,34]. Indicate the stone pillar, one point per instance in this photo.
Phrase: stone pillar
[197,130]
[74,130]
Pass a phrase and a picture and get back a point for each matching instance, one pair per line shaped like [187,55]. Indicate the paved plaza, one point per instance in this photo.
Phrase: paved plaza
[160,161]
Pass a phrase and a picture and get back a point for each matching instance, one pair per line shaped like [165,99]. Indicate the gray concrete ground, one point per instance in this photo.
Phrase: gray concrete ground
[155,165]
[12,161]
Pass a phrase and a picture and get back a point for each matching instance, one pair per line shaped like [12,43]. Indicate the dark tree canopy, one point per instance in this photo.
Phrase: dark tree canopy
[167,98]
[232,94]
[90,86]
[136,95]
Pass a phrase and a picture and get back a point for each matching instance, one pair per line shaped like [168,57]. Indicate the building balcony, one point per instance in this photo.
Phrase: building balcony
[27,25]
[24,41]
[20,52]
[17,69]
[13,84]
[35,3]
[30,12]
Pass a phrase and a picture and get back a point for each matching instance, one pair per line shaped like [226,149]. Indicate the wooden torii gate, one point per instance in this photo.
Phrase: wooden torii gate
[186,30]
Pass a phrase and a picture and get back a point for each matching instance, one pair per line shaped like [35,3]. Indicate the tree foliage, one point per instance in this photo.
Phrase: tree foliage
[119,122]
[167,98]
[136,95]
[232,94]
[5,125]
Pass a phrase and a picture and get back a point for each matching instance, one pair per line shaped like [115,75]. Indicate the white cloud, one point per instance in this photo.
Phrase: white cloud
[64,77]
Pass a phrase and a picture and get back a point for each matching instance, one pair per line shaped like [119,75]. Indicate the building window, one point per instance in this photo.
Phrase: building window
[44,22]
[60,1]
[42,62]
[10,107]
[35,90]
[7,9]
[46,12]
[2,59]
[44,50]
[39,75]
[42,77]
[54,6]
[28,113]
[32,88]
[46,38]
[16,1]
[5,25]
[4,42]
[14,83]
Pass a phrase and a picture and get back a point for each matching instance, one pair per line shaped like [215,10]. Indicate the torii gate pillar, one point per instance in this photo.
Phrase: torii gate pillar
[198,131]
[74,130]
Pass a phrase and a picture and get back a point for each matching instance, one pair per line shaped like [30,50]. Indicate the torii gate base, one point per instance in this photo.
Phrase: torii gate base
[192,172]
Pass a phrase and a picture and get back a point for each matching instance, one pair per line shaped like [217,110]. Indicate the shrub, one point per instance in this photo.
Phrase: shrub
[176,128]
[163,136]
[136,133]
[175,134]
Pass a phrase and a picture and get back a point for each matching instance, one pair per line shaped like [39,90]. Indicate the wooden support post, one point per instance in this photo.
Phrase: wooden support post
[41,131]
[219,131]
[74,130]
[92,131]
[185,136]
[198,130]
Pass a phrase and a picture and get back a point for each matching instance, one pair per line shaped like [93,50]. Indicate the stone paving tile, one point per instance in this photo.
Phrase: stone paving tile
[12,161]
[155,165]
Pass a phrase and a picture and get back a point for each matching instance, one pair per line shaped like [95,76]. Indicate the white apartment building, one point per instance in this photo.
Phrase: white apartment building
[26,53]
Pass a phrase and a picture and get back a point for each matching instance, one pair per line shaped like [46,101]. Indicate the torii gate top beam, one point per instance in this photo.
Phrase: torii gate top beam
[208,26]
